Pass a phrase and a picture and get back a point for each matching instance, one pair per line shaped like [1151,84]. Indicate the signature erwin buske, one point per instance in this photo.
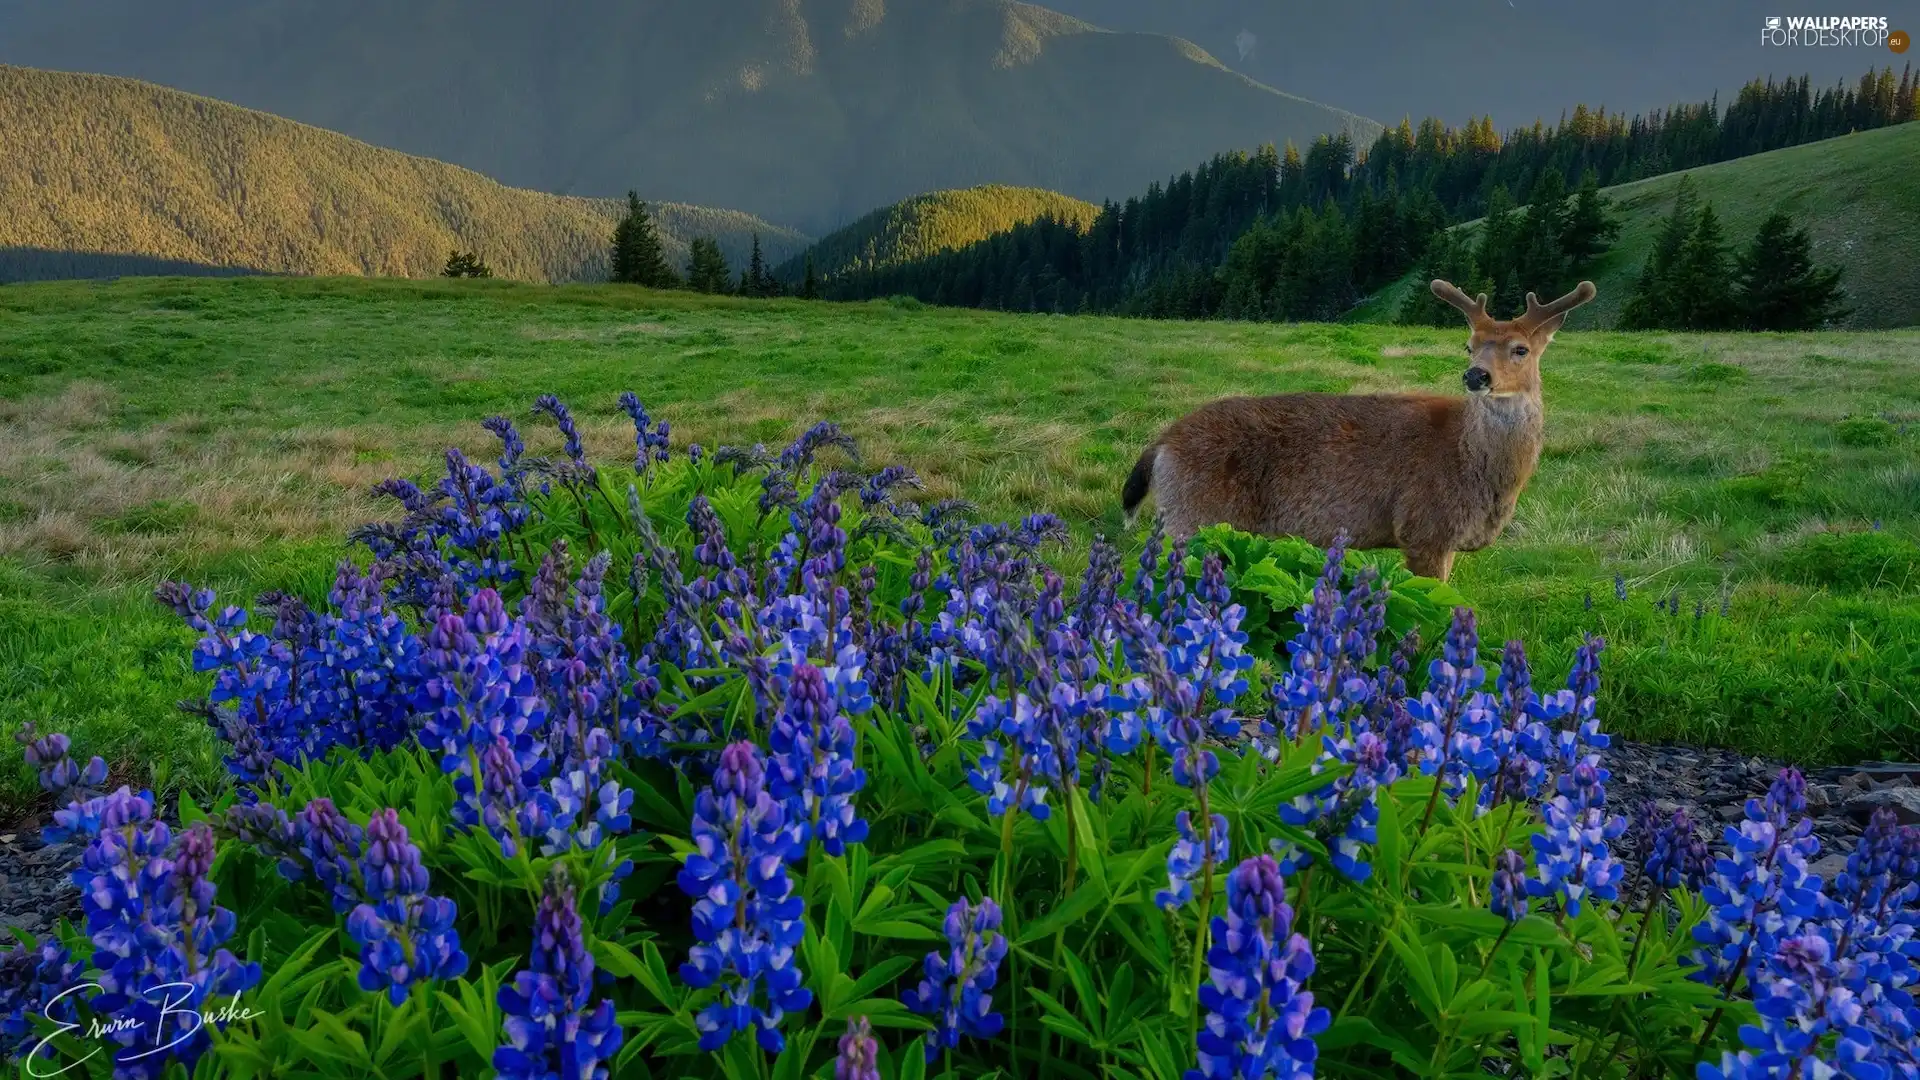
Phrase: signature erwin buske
[170,1019]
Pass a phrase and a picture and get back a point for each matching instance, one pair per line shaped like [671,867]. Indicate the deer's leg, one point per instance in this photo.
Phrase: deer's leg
[1433,564]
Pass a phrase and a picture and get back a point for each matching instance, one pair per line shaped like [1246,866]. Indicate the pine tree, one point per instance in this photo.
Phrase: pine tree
[1703,281]
[810,284]
[1498,253]
[1653,304]
[707,267]
[1540,264]
[465,264]
[638,258]
[1778,287]
[1448,258]
[754,280]
[1589,229]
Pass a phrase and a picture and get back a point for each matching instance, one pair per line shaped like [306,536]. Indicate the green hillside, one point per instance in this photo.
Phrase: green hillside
[102,165]
[939,221]
[1856,194]
[809,114]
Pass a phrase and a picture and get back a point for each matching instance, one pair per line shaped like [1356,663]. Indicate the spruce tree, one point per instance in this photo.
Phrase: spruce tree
[1777,285]
[1540,264]
[1589,229]
[1496,254]
[810,284]
[1448,258]
[706,266]
[1653,305]
[638,258]
[1703,281]
[754,280]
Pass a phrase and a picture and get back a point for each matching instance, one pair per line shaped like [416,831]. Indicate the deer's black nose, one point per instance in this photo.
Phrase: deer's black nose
[1478,379]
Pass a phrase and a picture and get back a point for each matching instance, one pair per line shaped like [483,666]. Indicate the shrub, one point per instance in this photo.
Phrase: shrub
[1865,431]
[1850,560]
[800,736]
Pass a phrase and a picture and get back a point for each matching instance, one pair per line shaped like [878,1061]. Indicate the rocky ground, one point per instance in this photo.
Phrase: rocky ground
[36,889]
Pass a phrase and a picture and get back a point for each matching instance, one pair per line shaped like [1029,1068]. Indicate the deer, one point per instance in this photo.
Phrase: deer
[1427,474]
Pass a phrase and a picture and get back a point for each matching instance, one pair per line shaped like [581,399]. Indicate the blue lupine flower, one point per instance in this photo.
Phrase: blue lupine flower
[1509,886]
[406,937]
[957,981]
[1259,1020]
[553,1028]
[34,982]
[1345,813]
[747,918]
[1192,854]
[812,769]
[150,914]
[1572,856]
[878,488]
[1760,891]
[859,1057]
[1456,721]
[326,845]
[1802,999]
[512,446]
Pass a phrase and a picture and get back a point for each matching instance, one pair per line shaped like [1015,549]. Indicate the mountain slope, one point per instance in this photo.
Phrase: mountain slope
[106,165]
[806,112]
[1855,194]
[928,224]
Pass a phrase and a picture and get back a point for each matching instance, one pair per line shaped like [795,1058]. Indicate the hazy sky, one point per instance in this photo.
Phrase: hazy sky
[1515,59]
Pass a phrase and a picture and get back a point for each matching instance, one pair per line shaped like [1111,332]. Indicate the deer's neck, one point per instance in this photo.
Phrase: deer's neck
[1500,443]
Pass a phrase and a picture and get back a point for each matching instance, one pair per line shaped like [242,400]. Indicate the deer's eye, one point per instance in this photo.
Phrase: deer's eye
[1519,352]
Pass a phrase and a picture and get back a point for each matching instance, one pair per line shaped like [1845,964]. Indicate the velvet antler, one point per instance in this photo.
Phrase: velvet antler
[1538,313]
[1475,310]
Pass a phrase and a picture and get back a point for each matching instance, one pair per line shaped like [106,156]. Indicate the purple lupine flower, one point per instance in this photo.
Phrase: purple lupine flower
[512,446]
[1572,856]
[878,488]
[563,419]
[859,1057]
[59,776]
[329,846]
[1509,886]
[812,769]
[1676,856]
[1259,1019]
[552,1025]
[1192,854]
[747,918]
[800,453]
[955,988]
[406,937]
[1143,577]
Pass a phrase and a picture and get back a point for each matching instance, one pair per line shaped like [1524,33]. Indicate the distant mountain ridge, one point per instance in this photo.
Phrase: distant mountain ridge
[806,112]
[110,166]
[932,223]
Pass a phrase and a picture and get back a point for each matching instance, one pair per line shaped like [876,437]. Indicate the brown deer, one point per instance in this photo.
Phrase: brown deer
[1429,474]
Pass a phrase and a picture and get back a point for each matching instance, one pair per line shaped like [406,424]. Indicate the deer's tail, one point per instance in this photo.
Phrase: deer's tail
[1138,481]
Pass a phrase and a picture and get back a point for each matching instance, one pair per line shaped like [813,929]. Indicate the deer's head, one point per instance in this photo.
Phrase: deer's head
[1505,354]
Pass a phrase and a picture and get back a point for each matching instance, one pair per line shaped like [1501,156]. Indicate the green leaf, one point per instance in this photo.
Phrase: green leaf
[1084,899]
[899,928]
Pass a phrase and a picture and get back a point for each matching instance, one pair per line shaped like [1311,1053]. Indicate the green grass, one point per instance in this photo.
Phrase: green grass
[227,430]
[1854,193]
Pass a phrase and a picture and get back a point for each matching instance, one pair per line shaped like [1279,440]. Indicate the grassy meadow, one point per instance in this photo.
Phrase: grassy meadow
[227,431]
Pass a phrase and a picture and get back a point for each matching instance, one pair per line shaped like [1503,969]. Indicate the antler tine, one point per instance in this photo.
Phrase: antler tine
[1474,310]
[1538,312]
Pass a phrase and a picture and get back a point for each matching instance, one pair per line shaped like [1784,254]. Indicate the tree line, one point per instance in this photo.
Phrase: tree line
[640,259]
[1285,235]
